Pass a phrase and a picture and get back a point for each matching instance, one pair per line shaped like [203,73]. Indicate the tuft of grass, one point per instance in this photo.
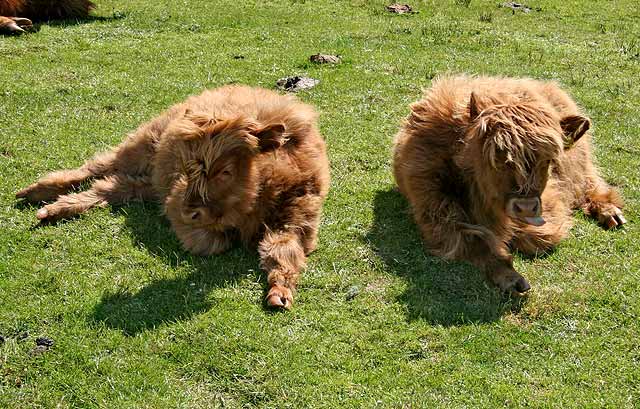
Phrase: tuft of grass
[630,47]
[486,16]
[138,322]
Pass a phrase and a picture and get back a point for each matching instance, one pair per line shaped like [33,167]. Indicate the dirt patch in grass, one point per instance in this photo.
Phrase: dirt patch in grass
[297,83]
[398,8]
[516,6]
[325,59]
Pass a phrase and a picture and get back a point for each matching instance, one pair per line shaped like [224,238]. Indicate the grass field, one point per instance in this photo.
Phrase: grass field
[138,322]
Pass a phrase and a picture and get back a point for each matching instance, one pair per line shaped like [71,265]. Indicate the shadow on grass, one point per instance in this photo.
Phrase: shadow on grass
[78,21]
[175,299]
[443,293]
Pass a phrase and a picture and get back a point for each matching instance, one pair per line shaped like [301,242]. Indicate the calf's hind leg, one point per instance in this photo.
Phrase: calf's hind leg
[14,25]
[604,204]
[112,189]
[60,182]
[131,157]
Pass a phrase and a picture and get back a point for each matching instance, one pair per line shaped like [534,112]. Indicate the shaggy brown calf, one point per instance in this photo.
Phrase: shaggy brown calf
[39,10]
[488,163]
[232,163]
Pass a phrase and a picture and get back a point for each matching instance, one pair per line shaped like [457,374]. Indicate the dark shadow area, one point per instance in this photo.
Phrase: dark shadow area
[22,204]
[443,293]
[169,300]
[541,255]
[164,300]
[77,21]
[33,29]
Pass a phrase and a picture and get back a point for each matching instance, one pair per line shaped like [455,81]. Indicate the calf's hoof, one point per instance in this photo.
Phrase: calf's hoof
[15,25]
[26,193]
[279,297]
[38,192]
[42,214]
[520,287]
[512,284]
[612,218]
[52,213]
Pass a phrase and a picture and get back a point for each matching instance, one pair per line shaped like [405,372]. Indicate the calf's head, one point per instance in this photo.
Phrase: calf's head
[218,182]
[511,150]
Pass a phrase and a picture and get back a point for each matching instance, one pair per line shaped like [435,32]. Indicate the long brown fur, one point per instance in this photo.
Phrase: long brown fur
[472,144]
[16,15]
[232,163]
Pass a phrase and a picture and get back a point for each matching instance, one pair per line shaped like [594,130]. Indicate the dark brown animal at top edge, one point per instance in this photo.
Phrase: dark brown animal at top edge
[234,163]
[488,164]
[16,15]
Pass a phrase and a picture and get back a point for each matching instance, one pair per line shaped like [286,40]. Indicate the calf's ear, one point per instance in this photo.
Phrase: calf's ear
[201,119]
[574,126]
[270,137]
[474,111]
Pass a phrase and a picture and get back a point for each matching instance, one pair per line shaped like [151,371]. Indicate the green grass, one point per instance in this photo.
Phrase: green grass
[138,322]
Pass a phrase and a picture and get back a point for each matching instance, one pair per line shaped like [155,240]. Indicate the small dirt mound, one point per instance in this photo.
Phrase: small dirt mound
[44,341]
[516,6]
[400,8]
[297,83]
[325,59]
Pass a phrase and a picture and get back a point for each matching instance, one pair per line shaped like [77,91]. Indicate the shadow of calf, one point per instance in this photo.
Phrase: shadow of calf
[79,21]
[441,292]
[169,300]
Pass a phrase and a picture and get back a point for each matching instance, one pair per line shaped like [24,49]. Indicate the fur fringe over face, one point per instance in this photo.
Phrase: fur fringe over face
[519,135]
[489,164]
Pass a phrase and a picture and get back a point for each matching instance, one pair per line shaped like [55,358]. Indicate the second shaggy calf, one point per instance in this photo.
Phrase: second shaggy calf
[235,163]
[490,164]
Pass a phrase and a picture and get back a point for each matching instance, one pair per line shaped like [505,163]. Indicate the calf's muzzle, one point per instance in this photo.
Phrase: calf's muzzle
[526,209]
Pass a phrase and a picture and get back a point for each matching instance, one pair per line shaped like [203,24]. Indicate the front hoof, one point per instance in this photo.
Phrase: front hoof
[520,287]
[513,284]
[279,297]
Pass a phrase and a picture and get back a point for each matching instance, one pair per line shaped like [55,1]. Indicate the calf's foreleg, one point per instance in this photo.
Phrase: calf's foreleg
[282,256]
[491,255]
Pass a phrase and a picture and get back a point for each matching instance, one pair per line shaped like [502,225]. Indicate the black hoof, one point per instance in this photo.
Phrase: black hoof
[522,285]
